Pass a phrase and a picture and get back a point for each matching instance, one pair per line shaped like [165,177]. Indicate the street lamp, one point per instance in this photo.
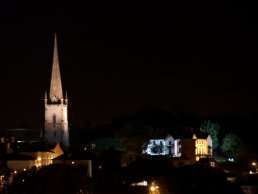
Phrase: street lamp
[154,188]
[254,165]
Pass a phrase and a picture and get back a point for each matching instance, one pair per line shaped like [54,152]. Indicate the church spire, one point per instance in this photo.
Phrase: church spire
[56,92]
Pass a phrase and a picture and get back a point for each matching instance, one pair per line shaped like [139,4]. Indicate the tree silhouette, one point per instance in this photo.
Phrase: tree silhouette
[231,144]
[212,129]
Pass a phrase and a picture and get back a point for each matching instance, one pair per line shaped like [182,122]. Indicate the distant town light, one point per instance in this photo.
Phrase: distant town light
[253,163]
[143,183]
[72,162]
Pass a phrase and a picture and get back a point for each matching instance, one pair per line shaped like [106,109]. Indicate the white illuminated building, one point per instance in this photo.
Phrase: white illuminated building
[56,114]
[193,147]
[160,146]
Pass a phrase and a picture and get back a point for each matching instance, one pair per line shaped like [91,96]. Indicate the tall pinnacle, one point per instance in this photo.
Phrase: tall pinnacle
[56,92]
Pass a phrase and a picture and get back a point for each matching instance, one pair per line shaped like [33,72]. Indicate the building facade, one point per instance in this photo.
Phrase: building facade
[160,146]
[192,148]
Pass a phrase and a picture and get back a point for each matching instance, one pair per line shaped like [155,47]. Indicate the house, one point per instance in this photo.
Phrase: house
[32,135]
[43,154]
[250,184]
[19,162]
[195,146]
[189,145]
[32,155]
[6,143]
[207,162]
[160,146]
[250,189]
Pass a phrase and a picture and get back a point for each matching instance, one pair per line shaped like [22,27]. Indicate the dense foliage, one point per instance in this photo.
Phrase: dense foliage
[213,129]
[231,144]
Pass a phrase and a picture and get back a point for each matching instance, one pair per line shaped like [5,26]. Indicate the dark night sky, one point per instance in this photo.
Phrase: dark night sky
[118,56]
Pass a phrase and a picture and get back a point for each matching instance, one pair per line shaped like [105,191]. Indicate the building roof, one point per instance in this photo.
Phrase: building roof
[74,156]
[15,156]
[24,134]
[201,135]
[187,133]
[35,147]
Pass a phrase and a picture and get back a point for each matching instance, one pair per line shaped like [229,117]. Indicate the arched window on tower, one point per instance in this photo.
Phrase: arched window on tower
[54,120]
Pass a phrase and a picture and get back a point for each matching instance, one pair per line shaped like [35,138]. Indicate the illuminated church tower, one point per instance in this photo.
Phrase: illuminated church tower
[56,119]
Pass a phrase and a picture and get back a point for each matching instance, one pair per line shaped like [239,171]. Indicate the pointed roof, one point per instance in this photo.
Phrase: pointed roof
[56,92]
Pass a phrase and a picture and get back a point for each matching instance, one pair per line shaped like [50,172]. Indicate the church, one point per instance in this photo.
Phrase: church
[56,113]
[25,148]
[55,129]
